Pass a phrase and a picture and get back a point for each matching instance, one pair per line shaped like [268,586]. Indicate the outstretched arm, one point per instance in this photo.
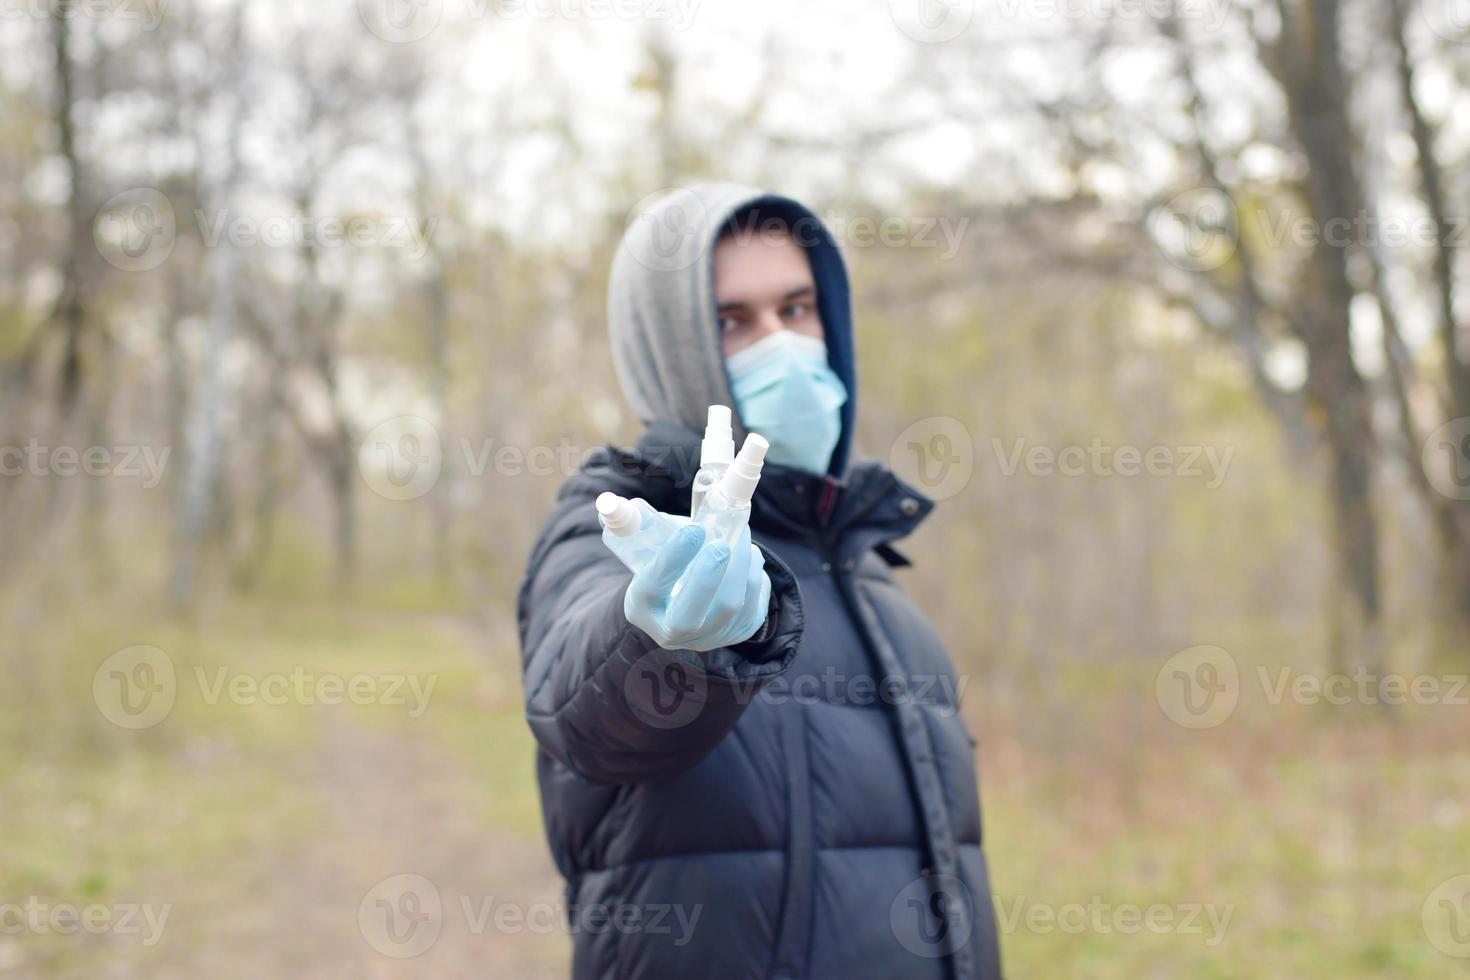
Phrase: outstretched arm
[603,697]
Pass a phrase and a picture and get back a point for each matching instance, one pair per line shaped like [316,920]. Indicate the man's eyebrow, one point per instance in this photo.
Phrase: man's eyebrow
[790,294]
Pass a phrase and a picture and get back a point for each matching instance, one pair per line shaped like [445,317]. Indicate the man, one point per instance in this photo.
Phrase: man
[768,778]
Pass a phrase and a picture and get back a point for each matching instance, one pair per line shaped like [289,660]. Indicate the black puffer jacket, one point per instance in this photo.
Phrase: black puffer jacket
[803,805]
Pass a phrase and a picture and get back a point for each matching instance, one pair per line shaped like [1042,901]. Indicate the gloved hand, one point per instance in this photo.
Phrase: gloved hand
[723,599]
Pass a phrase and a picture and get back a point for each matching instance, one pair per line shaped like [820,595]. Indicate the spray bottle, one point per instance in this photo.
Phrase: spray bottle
[726,507]
[715,454]
[632,529]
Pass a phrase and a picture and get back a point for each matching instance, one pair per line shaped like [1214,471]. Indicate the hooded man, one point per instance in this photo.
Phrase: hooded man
[771,777]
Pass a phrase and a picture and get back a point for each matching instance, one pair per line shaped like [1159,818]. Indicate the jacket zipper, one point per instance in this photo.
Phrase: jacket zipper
[962,960]
[793,942]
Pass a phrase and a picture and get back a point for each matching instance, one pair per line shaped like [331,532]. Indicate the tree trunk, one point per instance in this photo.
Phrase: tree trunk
[1452,517]
[439,498]
[69,314]
[344,485]
[268,493]
[201,479]
[1317,106]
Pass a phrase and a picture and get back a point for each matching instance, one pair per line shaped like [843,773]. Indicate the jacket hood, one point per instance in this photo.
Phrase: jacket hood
[661,304]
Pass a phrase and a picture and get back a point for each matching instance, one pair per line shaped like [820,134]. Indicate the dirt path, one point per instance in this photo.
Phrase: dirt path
[400,829]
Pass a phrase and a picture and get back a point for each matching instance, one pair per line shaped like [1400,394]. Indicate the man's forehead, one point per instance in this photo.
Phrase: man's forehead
[750,268]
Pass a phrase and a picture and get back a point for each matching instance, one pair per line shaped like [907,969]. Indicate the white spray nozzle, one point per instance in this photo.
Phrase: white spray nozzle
[719,440]
[619,515]
[738,483]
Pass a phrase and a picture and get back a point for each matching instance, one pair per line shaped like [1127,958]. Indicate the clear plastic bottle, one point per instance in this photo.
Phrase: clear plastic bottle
[632,529]
[715,454]
[726,507]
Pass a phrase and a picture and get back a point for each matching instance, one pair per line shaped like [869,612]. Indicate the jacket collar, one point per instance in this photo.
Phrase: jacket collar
[868,506]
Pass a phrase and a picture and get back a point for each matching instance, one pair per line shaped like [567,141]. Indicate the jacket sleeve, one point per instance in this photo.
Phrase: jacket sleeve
[606,700]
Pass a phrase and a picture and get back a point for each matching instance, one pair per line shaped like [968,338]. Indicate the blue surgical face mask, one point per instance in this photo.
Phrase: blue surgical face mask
[784,390]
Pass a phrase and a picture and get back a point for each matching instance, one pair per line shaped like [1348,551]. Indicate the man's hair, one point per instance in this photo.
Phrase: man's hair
[772,221]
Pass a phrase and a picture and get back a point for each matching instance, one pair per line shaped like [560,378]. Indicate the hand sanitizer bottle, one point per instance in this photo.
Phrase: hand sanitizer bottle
[726,507]
[633,530]
[715,454]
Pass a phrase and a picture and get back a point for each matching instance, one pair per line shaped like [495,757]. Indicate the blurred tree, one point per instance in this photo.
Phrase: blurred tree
[1266,294]
[212,393]
[68,317]
[1452,515]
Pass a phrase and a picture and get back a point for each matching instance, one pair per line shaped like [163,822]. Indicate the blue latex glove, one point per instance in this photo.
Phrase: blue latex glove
[723,599]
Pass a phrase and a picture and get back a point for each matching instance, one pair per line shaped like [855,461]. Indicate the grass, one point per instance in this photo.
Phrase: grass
[1318,831]
[94,813]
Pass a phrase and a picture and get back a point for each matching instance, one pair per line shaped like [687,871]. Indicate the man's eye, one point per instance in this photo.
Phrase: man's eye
[728,323]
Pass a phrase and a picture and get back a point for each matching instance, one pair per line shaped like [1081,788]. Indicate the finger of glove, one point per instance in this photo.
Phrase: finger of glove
[687,612]
[757,601]
[757,583]
[754,602]
[757,589]
[655,582]
[731,594]
[752,613]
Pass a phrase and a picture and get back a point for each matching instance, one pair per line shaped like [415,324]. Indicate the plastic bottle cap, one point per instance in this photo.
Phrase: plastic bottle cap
[618,514]
[719,441]
[738,483]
